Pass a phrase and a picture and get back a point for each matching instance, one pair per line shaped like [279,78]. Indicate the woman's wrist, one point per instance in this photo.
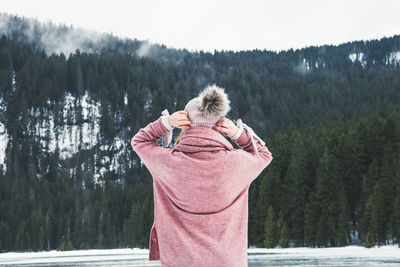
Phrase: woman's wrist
[167,124]
[168,119]
[237,133]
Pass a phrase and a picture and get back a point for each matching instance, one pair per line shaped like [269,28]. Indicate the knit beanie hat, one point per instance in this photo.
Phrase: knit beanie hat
[211,105]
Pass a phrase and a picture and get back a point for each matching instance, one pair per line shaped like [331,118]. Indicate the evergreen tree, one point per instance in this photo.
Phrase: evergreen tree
[370,181]
[284,237]
[294,195]
[311,219]
[326,196]
[370,240]
[323,231]
[271,233]
[343,231]
[395,226]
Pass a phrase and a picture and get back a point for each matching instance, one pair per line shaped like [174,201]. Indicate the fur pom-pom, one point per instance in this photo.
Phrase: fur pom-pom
[214,101]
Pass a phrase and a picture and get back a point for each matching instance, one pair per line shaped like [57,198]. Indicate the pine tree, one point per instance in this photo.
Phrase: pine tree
[367,191]
[323,230]
[379,204]
[270,240]
[370,240]
[311,219]
[284,239]
[294,191]
[396,205]
[343,231]
[267,195]
[396,217]
[326,190]
[376,210]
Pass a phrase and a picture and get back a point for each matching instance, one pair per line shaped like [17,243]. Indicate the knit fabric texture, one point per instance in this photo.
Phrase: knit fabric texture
[197,117]
[200,190]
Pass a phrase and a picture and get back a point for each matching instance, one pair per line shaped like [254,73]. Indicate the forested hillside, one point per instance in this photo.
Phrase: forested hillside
[331,186]
[69,107]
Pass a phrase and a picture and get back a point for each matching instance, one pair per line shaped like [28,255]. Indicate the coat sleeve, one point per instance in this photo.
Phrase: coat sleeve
[145,144]
[253,161]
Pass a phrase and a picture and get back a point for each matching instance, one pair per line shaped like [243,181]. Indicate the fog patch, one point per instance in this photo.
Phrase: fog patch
[51,37]
[64,39]
[144,49]
[303,67]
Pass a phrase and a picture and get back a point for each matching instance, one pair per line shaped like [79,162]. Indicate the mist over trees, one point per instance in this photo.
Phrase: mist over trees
[330,116]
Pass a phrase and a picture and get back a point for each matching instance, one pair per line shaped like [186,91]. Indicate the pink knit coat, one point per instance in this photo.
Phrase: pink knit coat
[200,195]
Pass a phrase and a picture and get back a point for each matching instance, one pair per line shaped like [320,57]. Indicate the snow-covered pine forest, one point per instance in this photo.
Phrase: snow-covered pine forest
[71,99]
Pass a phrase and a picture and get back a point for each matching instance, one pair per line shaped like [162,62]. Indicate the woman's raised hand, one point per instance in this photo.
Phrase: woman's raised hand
[179,119]
[226,127]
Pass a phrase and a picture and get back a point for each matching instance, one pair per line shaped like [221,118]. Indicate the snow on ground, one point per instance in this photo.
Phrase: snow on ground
[3,137]
[74,136]
[137,255]
[358,57]
[356,256]
[126,99]
[3,145]
[390,251]
[393,58]
[339,256]
[71,137]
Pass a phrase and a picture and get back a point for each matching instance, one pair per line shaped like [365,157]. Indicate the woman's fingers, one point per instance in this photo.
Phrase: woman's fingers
[222,123]
[183,117]
[180,118]
[185,122]
[219,123]
[225,126]
[182,114]
[220,129]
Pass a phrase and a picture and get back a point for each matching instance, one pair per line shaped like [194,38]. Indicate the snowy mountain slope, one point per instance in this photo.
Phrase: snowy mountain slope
[73,137]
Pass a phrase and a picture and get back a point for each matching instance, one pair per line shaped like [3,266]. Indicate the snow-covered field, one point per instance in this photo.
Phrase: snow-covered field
[93,257]
[343,256]
[340,256]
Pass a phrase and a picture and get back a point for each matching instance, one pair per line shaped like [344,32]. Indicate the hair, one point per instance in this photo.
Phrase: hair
[179,136]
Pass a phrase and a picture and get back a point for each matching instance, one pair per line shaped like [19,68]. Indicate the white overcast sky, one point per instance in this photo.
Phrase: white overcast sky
[223,24]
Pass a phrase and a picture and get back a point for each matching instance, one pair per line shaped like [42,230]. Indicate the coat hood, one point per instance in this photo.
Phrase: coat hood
[202,139]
